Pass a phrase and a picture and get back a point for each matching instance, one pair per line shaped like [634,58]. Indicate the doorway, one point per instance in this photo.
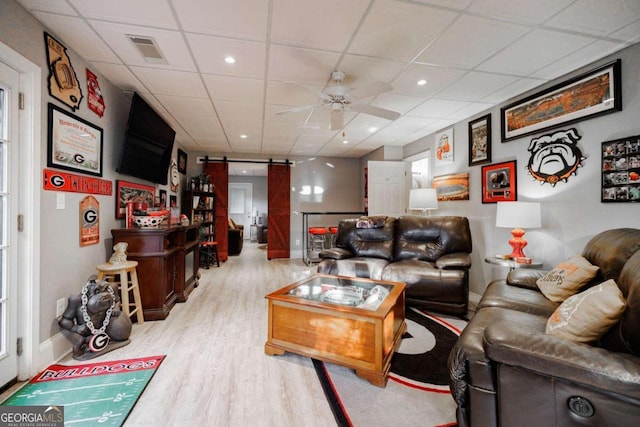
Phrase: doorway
[241,205]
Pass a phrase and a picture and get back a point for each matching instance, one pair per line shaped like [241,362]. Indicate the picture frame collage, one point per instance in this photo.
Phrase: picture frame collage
[621,170]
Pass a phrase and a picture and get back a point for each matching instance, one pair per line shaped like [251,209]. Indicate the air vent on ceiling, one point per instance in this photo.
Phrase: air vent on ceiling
[148,48]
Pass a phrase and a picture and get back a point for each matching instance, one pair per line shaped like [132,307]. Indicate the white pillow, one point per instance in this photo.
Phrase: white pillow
[567,278]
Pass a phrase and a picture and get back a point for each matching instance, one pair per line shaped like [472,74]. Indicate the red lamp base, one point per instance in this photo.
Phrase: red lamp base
[517,243]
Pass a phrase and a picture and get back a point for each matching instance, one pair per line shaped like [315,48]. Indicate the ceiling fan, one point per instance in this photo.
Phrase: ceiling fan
[339,98]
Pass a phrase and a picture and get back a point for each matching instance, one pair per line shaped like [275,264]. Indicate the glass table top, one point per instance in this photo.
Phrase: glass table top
[345,291]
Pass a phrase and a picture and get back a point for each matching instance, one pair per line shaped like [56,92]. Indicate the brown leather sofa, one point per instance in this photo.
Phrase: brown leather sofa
[506,371]
[236,238]
[430,254]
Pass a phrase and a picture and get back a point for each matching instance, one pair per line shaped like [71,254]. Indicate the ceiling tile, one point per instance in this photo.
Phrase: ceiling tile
[534,51]
[184,106]
[399,30]
[85,41]
[170,43]
[155,13]
[577,59]
[437,79]
[49,6]
[630,33]
[235,111]
[519,86]
[456,4]
[599,17]
[460,47]
[471,110]
[210,52]
[234,88]
[301,65]
[327,25]
[437,108]
[361,70]
[201,127]
[246,19]
[292,94]
[526,11]
[476,85]
[182,83]
[400,103]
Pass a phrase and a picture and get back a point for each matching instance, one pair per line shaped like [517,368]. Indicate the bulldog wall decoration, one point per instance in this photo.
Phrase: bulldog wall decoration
[555,157]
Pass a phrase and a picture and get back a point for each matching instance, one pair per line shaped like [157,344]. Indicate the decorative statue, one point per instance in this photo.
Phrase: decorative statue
[119,255]
[94,321]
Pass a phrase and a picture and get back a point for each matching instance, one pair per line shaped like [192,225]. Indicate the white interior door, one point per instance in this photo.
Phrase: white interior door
[240,204]
[387,188]
[9,84]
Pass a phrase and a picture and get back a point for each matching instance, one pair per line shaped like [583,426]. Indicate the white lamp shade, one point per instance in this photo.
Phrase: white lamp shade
[518,215]
[423,199]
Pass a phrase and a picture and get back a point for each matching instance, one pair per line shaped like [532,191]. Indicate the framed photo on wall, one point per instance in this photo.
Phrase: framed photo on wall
[621,170]
[480,141]
[132,192]
[73,143]
[182,162]
[594,93]
[453,186]
[499,182]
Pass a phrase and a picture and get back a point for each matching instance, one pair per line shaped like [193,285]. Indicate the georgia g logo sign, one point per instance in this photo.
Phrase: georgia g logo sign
[89,217]
[57,181]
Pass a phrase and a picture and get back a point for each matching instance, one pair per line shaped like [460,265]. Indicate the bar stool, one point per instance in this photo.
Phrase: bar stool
[317,239]
[333,235]
[124,274]
[209,251]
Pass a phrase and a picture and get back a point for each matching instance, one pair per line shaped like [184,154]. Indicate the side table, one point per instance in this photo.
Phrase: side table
[511,263]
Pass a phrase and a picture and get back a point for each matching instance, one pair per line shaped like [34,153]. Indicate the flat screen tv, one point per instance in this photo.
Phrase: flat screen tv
[148,144]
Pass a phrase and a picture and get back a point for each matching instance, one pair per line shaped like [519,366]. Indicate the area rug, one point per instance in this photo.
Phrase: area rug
[417,392]
[102,393]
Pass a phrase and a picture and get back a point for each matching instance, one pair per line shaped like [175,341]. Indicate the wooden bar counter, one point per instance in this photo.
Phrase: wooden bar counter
[166,256]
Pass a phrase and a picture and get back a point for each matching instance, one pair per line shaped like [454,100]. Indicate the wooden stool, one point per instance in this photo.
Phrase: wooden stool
[127,278]
[209,250]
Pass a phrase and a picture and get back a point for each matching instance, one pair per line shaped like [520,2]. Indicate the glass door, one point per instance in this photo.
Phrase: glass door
[8,212]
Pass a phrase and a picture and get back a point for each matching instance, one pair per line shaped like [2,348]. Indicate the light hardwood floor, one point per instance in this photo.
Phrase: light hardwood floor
[216,372]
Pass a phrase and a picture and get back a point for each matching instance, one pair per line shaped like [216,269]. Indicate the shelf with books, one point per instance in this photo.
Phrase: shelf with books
[199,207]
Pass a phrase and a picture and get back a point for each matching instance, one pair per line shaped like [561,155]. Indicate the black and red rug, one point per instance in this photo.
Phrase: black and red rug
[418,389]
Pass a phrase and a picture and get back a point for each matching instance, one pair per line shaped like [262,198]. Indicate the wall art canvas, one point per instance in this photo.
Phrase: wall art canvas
[453,186]
[480,141]
[63,81]
[444,147]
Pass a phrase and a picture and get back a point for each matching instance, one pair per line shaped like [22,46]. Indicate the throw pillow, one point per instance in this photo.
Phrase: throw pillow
[586,316]
[567,278]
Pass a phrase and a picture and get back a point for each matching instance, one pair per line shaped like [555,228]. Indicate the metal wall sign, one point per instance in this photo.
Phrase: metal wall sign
[89,221]
[63,181]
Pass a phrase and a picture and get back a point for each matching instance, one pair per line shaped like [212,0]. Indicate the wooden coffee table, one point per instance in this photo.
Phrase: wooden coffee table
[353,322]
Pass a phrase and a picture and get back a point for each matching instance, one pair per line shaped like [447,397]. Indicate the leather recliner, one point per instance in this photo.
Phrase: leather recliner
[430,254]
[506,371]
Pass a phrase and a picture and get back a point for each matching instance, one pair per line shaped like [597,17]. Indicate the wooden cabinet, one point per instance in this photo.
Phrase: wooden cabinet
[162,255]
[199,207]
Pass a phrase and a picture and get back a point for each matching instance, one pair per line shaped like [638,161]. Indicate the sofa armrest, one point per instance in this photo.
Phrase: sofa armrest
[455,260]
[336,253]
[524,277]
[560,358]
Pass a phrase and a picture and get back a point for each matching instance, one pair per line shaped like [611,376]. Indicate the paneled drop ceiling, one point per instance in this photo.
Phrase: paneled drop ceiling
[473,54]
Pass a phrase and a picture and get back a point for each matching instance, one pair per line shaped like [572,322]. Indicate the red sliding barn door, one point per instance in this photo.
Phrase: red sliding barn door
[279,205]
[219,175]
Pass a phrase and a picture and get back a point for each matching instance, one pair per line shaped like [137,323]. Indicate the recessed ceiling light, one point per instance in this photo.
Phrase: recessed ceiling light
[373,129]
[243,136]
[422,82]
[344,141]
[229,59]
[244,171]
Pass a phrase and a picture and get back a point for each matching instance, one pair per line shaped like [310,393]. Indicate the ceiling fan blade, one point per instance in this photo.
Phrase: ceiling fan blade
[375,111]
[337,119]
[298,109]
[373,89]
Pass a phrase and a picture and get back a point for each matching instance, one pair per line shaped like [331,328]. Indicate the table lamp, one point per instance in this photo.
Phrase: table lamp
[423,199]
[518,215]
